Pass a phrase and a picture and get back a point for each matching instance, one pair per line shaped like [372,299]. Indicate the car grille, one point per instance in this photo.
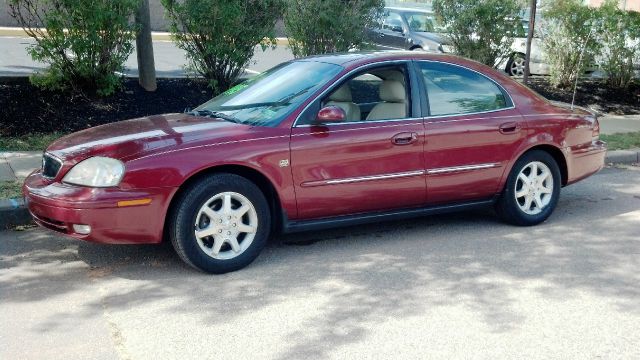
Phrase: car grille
[50,166]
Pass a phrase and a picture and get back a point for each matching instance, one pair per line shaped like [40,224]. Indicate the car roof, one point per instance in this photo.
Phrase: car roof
[352,60]
[361,57]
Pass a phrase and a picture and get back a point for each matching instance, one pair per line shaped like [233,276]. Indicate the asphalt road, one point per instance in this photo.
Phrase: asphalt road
[455,286]
[169,60]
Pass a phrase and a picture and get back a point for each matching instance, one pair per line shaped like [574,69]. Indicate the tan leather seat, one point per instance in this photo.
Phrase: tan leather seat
[342,99]
[394,105]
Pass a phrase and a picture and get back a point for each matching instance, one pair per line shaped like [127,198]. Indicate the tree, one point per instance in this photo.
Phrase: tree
[568,40]
[482,30]
[85,42]
[328,26]
[619,33]
[219,36]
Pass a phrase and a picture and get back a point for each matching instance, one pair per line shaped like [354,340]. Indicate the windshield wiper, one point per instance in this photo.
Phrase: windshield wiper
[214,114]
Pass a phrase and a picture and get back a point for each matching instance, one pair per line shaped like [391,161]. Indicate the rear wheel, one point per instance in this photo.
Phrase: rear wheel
[532,190]
[515,65]
[220,223]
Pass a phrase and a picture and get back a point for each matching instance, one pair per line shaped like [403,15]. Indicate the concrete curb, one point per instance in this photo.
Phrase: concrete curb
[623,156]
[13,212]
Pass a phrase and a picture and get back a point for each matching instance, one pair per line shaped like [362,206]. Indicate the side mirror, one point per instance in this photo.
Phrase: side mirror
[397,28]
[331,114]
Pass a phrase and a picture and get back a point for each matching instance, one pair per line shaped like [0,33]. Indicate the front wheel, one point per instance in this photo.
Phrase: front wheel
[532,190]
[220,223]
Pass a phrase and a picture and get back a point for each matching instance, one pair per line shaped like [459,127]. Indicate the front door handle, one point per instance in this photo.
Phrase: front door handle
[509,128]
[404,138]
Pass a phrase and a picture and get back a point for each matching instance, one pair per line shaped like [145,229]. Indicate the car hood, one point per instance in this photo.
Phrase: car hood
[439,38]
[126,140]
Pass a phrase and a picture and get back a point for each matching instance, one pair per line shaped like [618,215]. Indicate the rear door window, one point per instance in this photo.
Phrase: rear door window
[455,90]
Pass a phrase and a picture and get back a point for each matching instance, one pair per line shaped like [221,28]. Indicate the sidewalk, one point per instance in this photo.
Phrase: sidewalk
[17,165]
[611,124]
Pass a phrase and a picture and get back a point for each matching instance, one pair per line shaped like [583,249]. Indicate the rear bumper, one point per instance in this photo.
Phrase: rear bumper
[585,162]
[58,207]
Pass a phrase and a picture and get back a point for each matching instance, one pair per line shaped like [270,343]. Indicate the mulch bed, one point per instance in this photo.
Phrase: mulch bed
[25,109]
[593,93]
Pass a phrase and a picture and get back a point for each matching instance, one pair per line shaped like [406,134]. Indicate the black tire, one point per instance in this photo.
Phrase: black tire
[183,216]
[507,206]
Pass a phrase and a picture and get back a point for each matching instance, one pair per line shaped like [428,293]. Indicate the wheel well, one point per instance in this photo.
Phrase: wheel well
[415,47]
[263,183]
[558,156]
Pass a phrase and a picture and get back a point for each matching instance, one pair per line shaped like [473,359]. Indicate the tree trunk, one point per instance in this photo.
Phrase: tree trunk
[532,25]
[144,48]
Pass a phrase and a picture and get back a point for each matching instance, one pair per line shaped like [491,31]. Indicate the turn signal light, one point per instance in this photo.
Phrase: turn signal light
[136,202]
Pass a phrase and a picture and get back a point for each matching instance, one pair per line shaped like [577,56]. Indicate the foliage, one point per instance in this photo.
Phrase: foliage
[84,42]
[482,30]
[622,141]
[219,36]
[32,142]
[619,32]
[568,40]
[328,26]
[10,189]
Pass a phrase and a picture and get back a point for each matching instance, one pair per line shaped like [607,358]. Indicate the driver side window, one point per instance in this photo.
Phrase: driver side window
[373,95]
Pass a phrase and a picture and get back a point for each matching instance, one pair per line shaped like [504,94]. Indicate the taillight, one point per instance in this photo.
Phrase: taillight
[595,133]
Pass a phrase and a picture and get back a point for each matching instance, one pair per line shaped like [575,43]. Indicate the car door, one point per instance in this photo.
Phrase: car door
[472,132]
[367,164]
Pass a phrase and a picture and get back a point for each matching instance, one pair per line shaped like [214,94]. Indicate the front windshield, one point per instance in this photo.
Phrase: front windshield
[423,22]
[266,99]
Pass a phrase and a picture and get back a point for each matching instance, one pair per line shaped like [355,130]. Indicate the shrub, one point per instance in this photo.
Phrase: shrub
[219,36]
[328,26]
[619,33]
[480,30]
[84,42]
[568,33]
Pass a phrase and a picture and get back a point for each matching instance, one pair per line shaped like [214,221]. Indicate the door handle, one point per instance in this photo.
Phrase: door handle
[405,138]
[509,128]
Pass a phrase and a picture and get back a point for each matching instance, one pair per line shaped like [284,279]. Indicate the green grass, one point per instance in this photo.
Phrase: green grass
[622,141]
[10,189]
[34,142]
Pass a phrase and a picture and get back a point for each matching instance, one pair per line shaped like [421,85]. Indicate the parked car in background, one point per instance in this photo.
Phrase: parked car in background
[514,65]
[409,29]
[314,143]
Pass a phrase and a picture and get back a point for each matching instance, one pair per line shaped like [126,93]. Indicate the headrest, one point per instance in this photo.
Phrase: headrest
[343,94]
[392,91]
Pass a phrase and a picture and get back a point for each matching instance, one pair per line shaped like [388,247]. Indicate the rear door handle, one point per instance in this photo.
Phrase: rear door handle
[509,128]
[404,138]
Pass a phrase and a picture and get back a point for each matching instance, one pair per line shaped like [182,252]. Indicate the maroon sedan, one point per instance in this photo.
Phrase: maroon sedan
[315,143]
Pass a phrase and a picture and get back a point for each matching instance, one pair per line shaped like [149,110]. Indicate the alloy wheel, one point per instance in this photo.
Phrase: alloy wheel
[517,66]
[534,188]
[226,225]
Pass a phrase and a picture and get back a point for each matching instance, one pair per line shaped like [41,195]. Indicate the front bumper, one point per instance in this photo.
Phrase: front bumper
[59,206]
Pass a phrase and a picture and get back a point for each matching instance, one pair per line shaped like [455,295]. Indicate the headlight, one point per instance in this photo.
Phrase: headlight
[96,172]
